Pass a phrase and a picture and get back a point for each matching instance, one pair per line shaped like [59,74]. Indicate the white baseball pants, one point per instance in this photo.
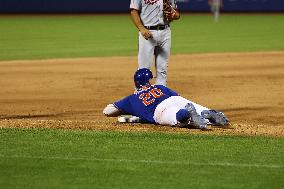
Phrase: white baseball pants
[165,113]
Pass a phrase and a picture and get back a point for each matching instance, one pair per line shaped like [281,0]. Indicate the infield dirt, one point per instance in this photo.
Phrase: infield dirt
[71,93]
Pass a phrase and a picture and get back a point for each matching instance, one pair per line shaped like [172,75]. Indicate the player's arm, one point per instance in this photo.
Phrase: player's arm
[175,12]
[170,10]
[138,23]
[112,111]
[120,107]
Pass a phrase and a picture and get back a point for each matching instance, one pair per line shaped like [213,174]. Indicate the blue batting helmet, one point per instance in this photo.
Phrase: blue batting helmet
[142,77]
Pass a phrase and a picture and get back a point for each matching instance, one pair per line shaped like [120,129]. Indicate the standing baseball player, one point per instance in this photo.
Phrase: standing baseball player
[215,6]
[152,18]
[158,104]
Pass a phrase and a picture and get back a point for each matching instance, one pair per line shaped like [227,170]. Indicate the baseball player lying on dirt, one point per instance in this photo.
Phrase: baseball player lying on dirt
[158,104]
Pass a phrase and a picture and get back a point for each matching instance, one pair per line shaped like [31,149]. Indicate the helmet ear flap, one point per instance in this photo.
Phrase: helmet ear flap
[142,77]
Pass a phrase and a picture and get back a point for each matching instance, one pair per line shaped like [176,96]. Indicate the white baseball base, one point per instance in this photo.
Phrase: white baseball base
[128,119]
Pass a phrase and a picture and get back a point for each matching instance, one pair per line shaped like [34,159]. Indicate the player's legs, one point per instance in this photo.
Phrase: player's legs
[215,9]
[162,55]
[146,52]
[196,119]
[215,117]
[216,13]
[165,113]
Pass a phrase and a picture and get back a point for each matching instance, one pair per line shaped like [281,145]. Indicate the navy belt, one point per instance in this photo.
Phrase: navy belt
[158,27]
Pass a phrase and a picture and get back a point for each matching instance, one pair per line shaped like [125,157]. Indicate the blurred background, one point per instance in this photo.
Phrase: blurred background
[122,6]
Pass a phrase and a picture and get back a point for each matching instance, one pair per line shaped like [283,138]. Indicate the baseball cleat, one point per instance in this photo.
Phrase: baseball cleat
[215,117]
[128,119]
[195,119]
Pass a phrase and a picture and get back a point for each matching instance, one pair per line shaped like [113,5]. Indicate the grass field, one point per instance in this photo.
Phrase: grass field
[55,158]
[43,37]
[40,158]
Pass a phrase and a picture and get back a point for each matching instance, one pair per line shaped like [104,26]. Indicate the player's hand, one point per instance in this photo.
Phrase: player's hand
[175,14]
[146,33]
[171,15]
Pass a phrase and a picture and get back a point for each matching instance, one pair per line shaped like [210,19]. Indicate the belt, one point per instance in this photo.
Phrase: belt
[158,27]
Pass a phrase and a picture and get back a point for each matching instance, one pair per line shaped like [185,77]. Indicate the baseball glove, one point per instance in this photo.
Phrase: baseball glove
[168,10]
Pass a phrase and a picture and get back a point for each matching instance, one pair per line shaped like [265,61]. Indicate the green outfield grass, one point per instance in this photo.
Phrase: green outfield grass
[44,158]
[65,36]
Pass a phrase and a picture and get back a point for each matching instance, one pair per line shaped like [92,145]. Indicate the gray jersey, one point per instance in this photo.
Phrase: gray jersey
[151,11]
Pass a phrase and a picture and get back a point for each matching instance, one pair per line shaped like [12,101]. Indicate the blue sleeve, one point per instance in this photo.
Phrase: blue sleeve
[124,104]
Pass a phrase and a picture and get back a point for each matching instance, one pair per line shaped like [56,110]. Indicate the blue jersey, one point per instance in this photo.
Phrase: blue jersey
[144,102]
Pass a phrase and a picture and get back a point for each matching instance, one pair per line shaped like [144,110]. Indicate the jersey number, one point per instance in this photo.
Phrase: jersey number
[150,97]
